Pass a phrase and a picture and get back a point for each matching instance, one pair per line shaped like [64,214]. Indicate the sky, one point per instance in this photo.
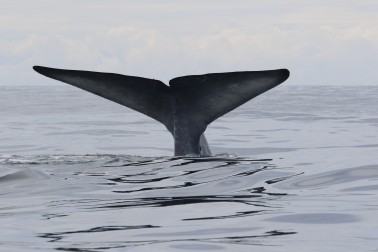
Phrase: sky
[321,42]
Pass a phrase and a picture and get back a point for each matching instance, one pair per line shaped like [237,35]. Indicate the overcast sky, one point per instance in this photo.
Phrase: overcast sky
[320,42]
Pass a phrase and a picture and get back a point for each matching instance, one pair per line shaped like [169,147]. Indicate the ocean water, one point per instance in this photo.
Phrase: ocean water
[295,169]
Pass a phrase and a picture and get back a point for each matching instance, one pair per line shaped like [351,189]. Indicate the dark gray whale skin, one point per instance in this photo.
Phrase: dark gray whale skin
[185,107]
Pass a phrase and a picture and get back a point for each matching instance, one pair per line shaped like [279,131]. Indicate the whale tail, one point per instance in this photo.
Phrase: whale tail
[185,107]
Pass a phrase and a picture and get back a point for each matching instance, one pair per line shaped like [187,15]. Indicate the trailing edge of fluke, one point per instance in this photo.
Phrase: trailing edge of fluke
[185,107]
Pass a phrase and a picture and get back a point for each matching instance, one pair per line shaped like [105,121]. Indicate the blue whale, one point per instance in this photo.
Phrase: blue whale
[185,107]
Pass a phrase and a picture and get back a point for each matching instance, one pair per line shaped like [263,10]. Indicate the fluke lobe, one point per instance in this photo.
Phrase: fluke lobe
[185,107]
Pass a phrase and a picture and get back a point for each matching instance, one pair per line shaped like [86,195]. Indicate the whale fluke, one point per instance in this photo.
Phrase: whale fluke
[146,96]
[185,107]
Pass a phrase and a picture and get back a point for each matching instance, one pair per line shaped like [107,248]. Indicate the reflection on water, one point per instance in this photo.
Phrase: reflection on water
[132,201]
[109,202]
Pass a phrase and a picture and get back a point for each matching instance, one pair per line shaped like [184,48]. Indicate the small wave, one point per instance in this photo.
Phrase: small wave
[64,159]
[25,174]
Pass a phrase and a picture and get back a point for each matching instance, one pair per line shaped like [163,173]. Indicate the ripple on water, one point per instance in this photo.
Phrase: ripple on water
[110,202]
[315,218]
[332,178]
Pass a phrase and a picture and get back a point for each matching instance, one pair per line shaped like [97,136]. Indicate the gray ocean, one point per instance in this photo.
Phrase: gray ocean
[295,169]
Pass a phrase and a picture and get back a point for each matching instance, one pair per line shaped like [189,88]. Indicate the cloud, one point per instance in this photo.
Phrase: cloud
[319,45]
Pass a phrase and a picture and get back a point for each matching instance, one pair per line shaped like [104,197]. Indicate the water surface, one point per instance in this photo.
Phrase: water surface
[295,170]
